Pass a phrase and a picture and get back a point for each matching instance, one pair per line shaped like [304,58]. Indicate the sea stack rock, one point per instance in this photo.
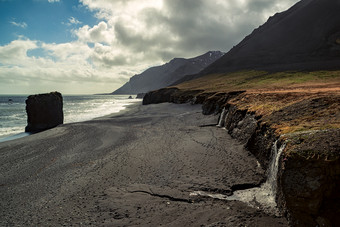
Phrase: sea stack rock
[44,111]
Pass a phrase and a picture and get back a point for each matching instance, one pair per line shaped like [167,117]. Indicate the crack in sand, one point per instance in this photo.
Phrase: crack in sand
[163,196]
[209,125]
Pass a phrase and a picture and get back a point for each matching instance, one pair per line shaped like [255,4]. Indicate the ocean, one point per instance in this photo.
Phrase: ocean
[77,108]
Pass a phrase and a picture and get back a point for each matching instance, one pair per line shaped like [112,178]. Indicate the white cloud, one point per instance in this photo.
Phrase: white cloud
[73,20]
[52,1]
[163,29]
[98,33]
[87,69]
[15,53]
[19,24]
[131,36]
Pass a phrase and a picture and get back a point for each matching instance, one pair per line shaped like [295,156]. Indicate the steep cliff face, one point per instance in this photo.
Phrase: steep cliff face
[44,111]
[309,168]
[164,75]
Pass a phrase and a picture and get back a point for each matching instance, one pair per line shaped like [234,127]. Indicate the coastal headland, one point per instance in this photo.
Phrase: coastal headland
[136,168]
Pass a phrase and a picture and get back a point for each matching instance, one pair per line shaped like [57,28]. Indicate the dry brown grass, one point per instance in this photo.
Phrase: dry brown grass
[264,81]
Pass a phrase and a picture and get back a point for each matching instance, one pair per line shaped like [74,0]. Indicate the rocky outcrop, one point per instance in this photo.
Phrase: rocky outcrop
[308,186]
[140,95]
[44,111]
[211,102]
[159,96]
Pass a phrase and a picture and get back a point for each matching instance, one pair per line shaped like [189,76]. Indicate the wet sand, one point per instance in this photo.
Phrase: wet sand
[135,168]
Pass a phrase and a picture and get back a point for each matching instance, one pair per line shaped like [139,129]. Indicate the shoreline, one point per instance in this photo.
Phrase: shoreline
[137,167]
[14,136]
[24,134]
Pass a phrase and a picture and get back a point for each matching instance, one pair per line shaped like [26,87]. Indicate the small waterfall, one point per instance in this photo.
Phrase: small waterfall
[222,118]
[274,167]
[264,195]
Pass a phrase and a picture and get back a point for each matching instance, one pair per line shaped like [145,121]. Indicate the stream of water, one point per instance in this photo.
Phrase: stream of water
[222,118]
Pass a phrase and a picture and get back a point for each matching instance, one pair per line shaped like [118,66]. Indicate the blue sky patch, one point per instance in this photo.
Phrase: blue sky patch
[42,20]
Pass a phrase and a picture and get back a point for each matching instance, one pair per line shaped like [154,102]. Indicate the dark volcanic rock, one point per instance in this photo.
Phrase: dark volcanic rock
[162,76]
[310,191]
[159,96]
[244,129]
[261,142]
[140,95]
[171,94]
[44,111]
[309,179]
[214,103]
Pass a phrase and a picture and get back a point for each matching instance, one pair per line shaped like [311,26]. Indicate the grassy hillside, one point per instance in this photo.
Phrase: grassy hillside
[246,80]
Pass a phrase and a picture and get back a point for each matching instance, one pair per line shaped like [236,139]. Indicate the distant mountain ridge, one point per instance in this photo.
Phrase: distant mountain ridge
[162,76]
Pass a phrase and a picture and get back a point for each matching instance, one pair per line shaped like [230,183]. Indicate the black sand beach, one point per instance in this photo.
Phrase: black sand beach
[135,168]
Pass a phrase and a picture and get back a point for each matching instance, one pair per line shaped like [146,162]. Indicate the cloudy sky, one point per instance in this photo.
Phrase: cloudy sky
[95,46]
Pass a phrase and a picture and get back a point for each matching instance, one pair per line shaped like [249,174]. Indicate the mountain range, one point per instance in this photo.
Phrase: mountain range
[165,75]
